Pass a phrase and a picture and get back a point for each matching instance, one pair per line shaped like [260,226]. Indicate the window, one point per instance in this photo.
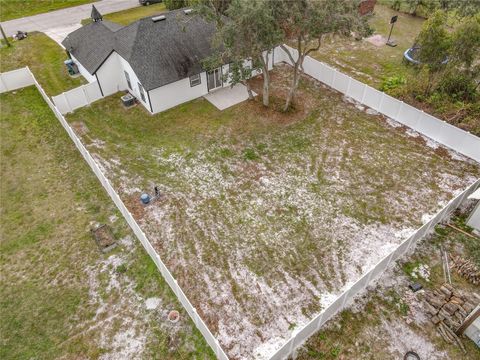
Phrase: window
[140,90]
[128,80]
[195,80]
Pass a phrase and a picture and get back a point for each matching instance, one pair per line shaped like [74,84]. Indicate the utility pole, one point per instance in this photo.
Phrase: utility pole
[4,36]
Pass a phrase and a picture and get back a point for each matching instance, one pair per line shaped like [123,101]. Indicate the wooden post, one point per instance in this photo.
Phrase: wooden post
[468,321]
[4,36]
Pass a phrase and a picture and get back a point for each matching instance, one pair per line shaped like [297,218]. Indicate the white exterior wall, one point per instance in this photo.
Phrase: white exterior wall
[176,93]
[110,75]
[134,81]
[84,72]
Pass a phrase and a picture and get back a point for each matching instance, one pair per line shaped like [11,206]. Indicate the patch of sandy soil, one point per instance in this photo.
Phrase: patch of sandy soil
[377,40]
[121,324]
[262,246]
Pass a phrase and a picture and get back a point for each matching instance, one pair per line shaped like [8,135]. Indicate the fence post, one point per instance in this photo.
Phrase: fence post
[86,95]
[344,299]
[319,321]
[3,83]
[67,102]
[381,102]
[398,111]
[334,77]
[348,86]
[364,93]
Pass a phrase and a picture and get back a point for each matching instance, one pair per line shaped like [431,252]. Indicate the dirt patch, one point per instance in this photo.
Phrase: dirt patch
[104,237]
[80,128]
[280,79]
[135,206]
[377,40]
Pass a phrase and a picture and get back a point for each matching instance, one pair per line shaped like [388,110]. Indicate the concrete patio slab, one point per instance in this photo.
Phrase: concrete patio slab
[228,96]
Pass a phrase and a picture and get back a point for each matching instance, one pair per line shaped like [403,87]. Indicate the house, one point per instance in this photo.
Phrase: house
[157,59]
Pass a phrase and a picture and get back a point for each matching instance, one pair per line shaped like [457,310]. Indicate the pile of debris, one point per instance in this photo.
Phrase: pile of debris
[466,269]
[448,310]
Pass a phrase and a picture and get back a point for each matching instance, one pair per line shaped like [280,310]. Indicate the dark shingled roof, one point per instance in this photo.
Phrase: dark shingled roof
[159,52]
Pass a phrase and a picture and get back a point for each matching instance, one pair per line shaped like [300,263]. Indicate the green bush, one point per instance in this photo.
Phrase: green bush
[458,86]
[392,83]
[175,4]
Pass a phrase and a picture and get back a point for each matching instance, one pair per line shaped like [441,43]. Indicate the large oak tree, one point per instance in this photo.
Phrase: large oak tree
[304,23]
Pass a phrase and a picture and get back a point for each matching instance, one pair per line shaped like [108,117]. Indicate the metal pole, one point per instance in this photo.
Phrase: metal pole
[391,29]
[4,36]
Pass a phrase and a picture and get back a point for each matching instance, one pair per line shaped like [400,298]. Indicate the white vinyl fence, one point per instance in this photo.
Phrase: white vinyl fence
[346,297]
[367,95]
[428,125]
[15,79]
[25,77]
[76,98]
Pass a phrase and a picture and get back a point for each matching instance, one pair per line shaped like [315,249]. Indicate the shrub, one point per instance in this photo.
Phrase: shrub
[458,86]
[392,82]
[175,4]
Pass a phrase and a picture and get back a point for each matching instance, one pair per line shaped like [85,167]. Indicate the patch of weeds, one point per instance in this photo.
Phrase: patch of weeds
[261,148]
[292,326]
[225,153]
[335,351]
[317,354]
[395,301]
[409,267]
[392,82]
[121,269]
[250,154]
[441,231]
[403,308]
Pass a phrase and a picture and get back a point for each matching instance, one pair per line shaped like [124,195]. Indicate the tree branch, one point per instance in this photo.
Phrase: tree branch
[319,42]
[284,48]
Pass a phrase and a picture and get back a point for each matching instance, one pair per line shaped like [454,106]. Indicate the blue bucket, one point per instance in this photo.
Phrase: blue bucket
[145,198]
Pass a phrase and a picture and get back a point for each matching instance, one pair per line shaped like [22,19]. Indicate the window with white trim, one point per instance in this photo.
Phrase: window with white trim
[142,93]
[195,80]
[128,80]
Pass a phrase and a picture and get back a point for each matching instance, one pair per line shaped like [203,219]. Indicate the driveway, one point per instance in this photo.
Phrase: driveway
[54,21]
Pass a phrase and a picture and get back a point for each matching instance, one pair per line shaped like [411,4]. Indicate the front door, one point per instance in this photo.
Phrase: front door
[214,79]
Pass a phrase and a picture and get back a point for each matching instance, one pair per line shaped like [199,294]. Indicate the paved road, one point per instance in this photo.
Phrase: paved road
[53,22]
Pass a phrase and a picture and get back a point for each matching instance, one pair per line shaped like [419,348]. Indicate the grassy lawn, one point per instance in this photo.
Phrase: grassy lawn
[125,17]
[367,62]
[389,321]
[12,9]
[373,65]
[45,59]
[299,204]
[61,297]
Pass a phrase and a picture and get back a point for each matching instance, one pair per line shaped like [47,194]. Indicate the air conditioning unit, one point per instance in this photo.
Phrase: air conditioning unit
[128,100]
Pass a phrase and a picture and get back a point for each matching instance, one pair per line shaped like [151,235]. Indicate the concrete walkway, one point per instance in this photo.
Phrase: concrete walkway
[55,21]
[227,96]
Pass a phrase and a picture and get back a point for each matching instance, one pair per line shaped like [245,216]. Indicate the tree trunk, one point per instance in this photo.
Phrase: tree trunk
[249,89]
[266,80]
[294,86]
[266,88]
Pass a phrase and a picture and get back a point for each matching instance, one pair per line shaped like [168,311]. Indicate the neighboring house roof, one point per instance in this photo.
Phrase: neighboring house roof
[159,52]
